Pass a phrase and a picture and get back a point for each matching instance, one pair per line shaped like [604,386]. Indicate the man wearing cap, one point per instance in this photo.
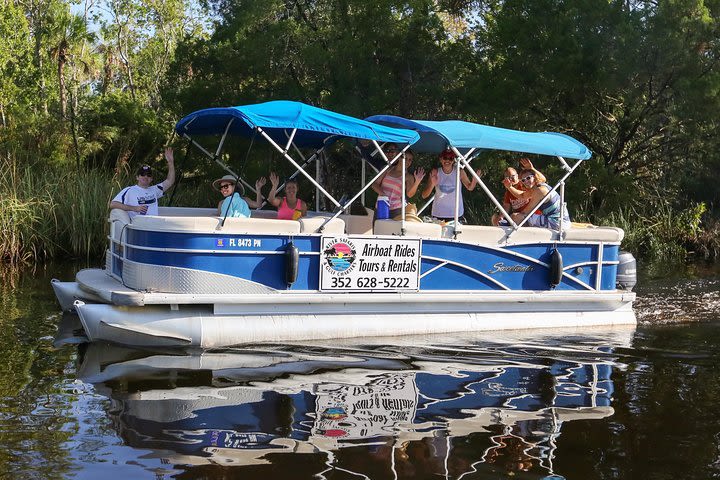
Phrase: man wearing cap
[142,198]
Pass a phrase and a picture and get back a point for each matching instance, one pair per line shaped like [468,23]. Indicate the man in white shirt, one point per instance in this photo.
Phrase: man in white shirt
[142,198]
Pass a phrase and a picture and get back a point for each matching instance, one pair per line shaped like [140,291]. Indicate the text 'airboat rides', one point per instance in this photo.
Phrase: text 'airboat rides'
[190,277]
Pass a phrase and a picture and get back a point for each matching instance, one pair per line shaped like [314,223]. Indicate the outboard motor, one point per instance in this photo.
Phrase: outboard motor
[626,271]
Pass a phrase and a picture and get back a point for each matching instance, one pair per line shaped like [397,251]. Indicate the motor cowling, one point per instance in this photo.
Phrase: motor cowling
[626,271]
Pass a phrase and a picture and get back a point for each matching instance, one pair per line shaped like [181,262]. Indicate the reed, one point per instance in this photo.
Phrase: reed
[45,213]
[667,233]
[48,213]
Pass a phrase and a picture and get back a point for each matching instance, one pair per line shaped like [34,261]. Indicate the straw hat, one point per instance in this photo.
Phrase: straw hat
[410,214]
[229,178]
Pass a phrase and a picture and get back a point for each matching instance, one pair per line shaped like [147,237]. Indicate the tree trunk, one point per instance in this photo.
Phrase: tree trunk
[61,83]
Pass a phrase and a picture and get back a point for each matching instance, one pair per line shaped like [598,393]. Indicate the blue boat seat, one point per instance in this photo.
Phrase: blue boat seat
[412,229]
[311,224]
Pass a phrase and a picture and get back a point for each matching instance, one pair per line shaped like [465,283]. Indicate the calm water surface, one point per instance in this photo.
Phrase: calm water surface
[601,403]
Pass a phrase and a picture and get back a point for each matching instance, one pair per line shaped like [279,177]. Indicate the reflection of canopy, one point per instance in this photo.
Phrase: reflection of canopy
[279,118]
[435,136]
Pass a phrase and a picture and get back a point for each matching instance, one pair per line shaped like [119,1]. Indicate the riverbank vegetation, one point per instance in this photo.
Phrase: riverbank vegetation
[90,91]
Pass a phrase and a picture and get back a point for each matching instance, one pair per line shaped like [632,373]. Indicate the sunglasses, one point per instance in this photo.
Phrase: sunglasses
[225,185]
[510,176]
[145,175]
[529,177]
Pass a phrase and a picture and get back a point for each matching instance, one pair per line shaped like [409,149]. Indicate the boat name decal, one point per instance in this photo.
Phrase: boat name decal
[501,267]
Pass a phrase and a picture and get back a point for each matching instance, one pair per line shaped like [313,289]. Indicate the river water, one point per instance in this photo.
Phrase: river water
[619,403]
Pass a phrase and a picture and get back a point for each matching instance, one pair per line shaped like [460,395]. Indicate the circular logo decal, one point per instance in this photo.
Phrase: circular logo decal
[340,256]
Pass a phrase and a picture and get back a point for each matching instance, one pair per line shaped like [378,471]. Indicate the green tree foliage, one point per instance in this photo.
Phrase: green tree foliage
[15,61]
[355,56]
[631,79]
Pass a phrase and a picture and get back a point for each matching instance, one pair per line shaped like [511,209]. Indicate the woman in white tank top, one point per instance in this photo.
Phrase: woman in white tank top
[442,180]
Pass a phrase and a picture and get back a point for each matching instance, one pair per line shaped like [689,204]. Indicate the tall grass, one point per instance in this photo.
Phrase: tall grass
[666,233]
[48,213]
[51,212]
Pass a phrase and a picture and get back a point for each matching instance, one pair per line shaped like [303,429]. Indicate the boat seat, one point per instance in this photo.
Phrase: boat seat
[311,224]
[489,235]
[186,212]
[174,224]
[260,225]
[118,219]
[270,214]
[358,224]
[596,234]
[412,229]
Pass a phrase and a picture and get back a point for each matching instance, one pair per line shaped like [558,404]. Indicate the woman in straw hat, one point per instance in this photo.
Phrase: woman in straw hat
[234,204]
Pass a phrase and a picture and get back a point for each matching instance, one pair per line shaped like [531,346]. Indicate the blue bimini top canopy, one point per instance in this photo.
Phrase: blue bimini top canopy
[278,118]
[435,136]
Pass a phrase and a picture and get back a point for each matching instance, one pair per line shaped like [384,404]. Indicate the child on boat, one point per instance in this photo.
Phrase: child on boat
[234,204]
[289,207]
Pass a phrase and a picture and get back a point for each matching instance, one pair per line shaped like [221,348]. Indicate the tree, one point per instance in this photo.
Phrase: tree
[15,59]
[626,78]
[70,39]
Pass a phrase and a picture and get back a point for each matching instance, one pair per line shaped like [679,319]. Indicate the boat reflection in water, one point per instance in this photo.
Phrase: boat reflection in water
[393,408]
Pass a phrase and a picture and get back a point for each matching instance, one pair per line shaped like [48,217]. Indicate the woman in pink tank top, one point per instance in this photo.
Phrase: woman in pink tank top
[289,207]
[390,183]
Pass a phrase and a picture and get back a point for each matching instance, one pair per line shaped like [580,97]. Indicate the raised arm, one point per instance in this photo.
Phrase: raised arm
[467,182]
[516,192]
[257,203]
[525,163]
[412,182]
[170,179]
[377,184]
[274,182]
[430,185]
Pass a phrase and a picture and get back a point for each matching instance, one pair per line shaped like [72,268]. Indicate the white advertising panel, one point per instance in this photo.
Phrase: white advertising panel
[353,264]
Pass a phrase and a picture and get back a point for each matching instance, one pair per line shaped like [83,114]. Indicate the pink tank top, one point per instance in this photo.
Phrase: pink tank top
[287,213]
[392,188]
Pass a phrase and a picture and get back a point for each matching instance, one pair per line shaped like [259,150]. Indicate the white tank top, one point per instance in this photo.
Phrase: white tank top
[444,203]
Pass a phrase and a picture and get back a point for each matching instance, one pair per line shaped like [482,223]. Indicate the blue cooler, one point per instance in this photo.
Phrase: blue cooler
[382,209]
